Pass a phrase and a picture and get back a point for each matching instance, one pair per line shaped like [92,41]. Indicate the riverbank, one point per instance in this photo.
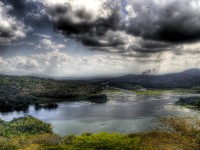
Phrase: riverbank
[125,112]
[30,133]
[17,93]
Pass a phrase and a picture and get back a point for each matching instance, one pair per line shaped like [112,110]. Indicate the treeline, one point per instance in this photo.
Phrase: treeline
[18,92]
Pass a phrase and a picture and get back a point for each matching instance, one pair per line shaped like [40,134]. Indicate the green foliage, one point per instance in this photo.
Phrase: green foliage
[181,133]
[189,102]
[100,141]
[18,92]
[68,139]
[98,98]
[106,141]
[25,125]
[29,142]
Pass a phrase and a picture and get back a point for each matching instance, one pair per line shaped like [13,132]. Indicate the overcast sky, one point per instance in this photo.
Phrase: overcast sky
[73,38]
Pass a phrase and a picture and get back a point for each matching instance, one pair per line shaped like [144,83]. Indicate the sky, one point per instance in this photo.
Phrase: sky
[83,38]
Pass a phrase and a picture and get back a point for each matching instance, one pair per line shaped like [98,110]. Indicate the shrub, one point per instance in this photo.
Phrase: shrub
[25,125]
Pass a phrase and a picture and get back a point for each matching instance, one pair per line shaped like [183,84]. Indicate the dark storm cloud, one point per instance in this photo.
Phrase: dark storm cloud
[30,12]
[149,46]
[96,28]
[145,27]
[12,23]
[162,26]
[20,21]
[97,41]
[86,30]
[23,8]
[174,21]
[11,28]
[20,6]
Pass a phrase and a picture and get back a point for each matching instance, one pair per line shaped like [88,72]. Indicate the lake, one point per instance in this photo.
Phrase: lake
[125,112]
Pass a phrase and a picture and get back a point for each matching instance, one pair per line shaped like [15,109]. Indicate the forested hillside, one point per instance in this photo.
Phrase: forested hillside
[18,92]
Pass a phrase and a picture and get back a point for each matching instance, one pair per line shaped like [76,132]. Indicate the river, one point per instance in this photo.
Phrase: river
[125,112]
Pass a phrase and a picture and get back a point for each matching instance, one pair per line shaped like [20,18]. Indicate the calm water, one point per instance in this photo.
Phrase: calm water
[125,112]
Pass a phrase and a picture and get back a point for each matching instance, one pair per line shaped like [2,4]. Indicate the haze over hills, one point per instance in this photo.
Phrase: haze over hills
[186,79]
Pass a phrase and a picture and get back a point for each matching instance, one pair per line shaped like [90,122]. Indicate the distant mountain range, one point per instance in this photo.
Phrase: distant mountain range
[186,79]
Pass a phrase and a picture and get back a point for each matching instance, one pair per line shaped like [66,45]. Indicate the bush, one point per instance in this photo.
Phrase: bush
[174,132]
[181,133]
[105,141]
[25,125]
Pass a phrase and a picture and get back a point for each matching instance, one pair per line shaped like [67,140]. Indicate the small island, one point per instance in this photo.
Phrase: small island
[46,106]
[98,98]
[192,102]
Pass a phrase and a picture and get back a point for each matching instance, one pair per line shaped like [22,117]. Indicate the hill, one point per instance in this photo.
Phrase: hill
[18,92]
[186,79]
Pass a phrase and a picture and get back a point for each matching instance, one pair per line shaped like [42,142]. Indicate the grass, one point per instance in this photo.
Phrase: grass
[149,92]
[154,92]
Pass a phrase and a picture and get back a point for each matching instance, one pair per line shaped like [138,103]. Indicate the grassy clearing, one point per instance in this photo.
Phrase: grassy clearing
[154,92]
[149,92]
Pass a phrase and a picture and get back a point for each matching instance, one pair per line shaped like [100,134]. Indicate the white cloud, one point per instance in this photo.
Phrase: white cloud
[96,9]
[176,63]
[42,35]
[10,27]
[130,14]
[191,47]
[56,63]
[49,45]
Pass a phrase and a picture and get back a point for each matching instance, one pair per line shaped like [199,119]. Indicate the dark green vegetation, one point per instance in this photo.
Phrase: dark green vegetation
[18,92]
[47,106]
[98,98]
[190,101]
[110,90]
[23,126]
[28,133]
